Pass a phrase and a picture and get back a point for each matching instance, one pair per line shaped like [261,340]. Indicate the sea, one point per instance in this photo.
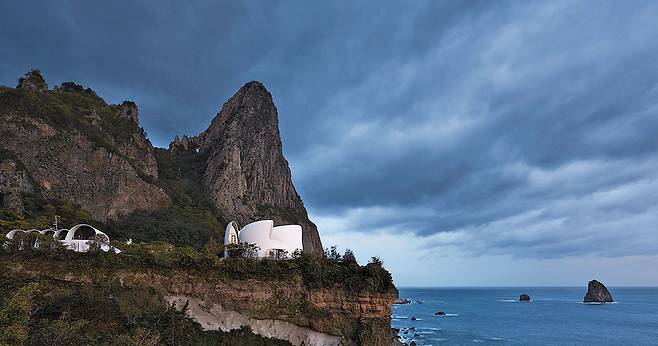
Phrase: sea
[554,316]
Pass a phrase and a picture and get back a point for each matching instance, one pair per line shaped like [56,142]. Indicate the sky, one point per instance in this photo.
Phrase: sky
[465,143]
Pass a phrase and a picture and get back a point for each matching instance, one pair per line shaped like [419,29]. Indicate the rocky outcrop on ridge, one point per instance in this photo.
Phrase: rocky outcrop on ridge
[597,293]
[33,80]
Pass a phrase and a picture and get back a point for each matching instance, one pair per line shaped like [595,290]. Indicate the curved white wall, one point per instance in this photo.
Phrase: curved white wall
[267,237]
[11,233]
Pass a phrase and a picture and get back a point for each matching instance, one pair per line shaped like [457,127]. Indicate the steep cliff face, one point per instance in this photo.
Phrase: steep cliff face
[247,176]
[69,145]
[281,310]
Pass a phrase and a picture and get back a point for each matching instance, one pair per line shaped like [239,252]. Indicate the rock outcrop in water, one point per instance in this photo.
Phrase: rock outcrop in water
[597,293]
[524,298]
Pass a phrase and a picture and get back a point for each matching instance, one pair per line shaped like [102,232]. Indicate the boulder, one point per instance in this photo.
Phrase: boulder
[597,293]
[413,318]
[401,301]
[524,298]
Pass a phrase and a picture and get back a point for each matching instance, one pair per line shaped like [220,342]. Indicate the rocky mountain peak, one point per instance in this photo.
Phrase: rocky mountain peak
[33,80]
[247,176]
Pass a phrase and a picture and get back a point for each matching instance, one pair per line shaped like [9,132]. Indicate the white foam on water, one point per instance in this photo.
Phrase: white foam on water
[506,300]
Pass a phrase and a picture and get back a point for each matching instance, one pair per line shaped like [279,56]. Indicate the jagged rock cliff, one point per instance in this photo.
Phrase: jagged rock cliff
[247,176]
[71,146]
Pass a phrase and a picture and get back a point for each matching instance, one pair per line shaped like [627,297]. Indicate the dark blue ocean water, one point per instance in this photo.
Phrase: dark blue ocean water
[555,316]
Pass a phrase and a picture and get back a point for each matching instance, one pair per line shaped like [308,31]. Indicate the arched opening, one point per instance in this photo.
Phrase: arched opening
[61,234]
[32,237]
[49,233]
[84,232]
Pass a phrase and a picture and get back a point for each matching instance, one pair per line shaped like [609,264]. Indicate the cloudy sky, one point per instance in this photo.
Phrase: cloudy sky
[465,143]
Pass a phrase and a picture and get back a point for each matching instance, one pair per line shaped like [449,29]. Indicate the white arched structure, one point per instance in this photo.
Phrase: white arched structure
[78,238]
[11,233]
[271,241]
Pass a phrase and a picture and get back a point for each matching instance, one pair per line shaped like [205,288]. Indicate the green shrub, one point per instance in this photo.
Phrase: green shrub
[15,316]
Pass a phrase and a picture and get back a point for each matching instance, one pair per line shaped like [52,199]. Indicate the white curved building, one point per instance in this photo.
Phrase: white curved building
[274,242]
[78,238]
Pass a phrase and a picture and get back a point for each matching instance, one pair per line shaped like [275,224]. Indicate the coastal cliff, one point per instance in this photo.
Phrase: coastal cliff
[294,300]
[66,152]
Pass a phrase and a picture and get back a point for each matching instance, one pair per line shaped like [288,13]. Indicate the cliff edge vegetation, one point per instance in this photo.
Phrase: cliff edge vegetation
[62,294]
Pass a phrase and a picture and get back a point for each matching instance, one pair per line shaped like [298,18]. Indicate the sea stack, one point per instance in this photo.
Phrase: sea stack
[524,298]
[597,293]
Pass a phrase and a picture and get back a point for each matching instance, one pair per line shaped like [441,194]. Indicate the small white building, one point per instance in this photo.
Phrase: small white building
[78,238]
[271,241]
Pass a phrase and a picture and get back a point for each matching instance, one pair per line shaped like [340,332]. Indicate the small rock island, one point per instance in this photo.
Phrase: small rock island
[597,293]
[524,298]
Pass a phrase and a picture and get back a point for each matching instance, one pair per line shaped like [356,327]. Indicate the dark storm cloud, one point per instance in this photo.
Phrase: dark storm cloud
[517,128]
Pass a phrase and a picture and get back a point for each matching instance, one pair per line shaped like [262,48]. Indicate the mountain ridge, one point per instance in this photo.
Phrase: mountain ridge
[69,145]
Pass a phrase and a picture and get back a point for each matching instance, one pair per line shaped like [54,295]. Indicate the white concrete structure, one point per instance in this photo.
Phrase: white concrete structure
[271,241]
[78,238]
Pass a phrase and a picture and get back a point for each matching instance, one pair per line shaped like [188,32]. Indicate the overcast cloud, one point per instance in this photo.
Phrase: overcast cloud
[451,138]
